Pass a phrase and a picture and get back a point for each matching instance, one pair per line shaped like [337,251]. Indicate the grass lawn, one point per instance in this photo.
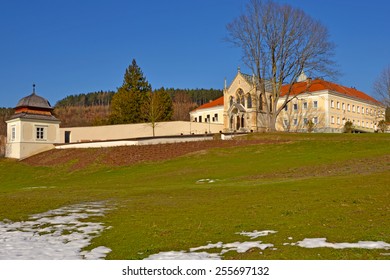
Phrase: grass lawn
[333,186]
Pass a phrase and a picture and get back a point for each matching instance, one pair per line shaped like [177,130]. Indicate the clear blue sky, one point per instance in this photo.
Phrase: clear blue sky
[78,46]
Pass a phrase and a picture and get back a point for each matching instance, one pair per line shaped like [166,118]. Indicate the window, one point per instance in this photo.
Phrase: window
[231,102]
[353,108]
[362,110]
[249,101]
[261,102]
[200,118]
[295,107]
[285,122]
[207,119]
[216,117]
[358,109]
[315,120]
[338,105]
[13,133]
[305,121]
[286,107]
[338,120]
[304,105]
[332,119]
[332,103]
[315,104]
[367,111]
[40,133]
[243,101]
[343,106]
[295,121]
[349,108]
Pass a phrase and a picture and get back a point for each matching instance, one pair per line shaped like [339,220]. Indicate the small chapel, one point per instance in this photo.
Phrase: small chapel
[33,128]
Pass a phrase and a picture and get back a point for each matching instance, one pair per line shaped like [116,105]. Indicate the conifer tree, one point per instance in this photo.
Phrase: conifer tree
[127,102]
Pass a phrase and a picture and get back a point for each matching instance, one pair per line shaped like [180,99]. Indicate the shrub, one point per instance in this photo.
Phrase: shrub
[382,125]
[348,127]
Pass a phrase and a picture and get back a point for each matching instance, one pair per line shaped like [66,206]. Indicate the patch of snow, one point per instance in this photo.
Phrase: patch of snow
[255,234]
[239,247]
[242,247]
[55,234]
[182,255]
[208,246]
[321,242]
[206,181]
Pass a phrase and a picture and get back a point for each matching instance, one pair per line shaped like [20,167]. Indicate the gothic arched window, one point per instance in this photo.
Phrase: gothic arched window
[261,102]
[249,101]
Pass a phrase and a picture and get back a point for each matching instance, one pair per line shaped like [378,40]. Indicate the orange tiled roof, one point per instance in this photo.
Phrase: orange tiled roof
[214,103]
[318,85]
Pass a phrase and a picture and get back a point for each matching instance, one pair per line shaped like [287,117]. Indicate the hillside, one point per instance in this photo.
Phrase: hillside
[282,195]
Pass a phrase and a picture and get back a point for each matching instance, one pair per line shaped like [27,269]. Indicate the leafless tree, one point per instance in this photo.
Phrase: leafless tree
[182,105]
[382,86]
[279,42]
[152,110]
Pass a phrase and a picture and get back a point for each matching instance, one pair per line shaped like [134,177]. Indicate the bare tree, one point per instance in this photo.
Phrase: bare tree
[279,42]
[382,86]
[153,109]
[182,105]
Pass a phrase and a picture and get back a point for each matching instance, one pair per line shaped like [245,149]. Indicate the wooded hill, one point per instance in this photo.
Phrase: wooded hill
[89,109]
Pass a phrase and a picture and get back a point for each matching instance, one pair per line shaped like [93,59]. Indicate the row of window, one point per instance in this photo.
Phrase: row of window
[305,121]
[304,105]
[241,100]
[40,133]
[352,108]
[362,123]
[207,119]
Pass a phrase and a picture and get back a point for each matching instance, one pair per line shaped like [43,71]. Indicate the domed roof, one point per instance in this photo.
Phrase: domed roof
[35,101]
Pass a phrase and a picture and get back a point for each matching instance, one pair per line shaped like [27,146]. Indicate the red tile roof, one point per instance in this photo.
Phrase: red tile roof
[214,103]
[318,85]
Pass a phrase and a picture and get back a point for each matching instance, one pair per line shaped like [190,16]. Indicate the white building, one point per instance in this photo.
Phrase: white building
[211,112]
[32,129]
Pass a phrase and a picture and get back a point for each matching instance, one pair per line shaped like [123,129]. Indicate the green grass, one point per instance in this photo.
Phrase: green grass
[314,185]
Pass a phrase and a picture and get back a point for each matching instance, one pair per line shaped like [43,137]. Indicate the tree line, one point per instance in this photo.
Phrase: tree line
[98,98]
[198,96]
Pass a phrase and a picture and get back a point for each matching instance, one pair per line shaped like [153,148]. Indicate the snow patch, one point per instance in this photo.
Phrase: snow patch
[321,242]
[206,181]
[182,255]
[56,234]
[255,234]
[239,247]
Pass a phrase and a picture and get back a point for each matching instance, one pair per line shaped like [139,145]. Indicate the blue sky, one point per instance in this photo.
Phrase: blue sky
[77,46]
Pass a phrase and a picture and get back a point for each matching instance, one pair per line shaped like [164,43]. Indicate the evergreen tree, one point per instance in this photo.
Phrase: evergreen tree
[166,103]
[127,102]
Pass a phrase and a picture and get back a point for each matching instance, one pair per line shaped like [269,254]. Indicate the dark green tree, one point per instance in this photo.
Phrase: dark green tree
[127,102]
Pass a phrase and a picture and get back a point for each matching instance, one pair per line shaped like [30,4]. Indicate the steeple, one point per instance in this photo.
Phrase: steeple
[33,89]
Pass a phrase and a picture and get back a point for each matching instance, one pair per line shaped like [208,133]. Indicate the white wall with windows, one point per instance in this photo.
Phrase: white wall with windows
[212,115]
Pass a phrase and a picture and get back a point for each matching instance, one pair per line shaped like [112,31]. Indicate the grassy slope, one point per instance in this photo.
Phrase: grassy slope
[333,186]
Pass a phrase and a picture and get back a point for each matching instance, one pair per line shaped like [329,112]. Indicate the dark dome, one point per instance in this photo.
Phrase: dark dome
[35,101]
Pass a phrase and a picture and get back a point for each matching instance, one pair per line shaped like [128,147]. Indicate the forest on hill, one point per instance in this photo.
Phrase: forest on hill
[89,109]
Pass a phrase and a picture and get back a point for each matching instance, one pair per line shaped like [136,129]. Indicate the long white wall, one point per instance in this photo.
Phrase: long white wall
[129,131]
